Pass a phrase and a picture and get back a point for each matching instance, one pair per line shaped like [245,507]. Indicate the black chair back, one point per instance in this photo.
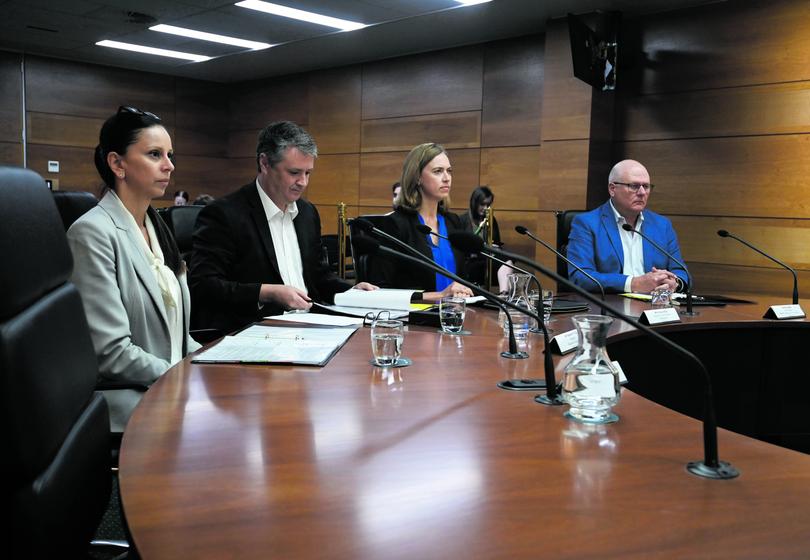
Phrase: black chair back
[362,261]
[564,219]
[181,221]
[73,204]
[56,443]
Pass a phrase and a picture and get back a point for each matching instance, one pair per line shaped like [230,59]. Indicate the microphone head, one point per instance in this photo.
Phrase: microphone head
[521,230]
[722,233]
[424,229]
[627,227]
[364,225]
[365,245]
[466,242]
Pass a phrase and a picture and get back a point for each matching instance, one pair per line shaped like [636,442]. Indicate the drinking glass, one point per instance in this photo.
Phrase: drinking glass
[451,314]
[386,341]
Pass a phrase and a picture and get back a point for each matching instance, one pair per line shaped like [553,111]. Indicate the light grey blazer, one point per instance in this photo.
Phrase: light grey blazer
[123,303]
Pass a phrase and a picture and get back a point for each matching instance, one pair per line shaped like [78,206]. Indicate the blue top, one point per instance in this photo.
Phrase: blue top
[442,254]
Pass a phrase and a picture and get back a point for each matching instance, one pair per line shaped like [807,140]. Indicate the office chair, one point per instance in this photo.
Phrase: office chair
[564,220]
[181,221]
[72,205]
[56,441]
[362,261]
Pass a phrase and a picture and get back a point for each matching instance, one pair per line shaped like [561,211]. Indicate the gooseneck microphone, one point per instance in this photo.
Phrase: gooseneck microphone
[525,231]
[523,384]
[689,312]
[724,233]
[711,466]
[369,246]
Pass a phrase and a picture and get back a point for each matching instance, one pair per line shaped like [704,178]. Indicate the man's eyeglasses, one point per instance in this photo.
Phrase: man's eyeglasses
[636,186]
[136,111]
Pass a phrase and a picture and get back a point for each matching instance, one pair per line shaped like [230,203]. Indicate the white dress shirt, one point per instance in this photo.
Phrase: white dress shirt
[285,240]
[633,248]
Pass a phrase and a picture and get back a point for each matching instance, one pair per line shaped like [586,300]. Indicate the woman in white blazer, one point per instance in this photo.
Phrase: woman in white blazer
[126,263]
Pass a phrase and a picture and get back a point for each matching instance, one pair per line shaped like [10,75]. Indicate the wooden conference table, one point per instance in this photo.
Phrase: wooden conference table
[434,461]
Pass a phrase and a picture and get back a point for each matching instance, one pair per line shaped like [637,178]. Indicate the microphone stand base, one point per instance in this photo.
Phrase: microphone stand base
[689,313]
[543,399]
[723,471]
[516,356]
[522,384]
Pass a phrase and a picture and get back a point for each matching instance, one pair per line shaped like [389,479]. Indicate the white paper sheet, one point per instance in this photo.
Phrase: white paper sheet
[376,299]
[318,319]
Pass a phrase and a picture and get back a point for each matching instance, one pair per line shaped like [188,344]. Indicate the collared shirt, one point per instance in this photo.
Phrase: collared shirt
[633,248]
[285,240]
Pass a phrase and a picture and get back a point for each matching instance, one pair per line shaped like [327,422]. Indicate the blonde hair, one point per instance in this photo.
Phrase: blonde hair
[410,196]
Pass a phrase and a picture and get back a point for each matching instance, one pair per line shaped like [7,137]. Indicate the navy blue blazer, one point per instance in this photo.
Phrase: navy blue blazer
[595,245]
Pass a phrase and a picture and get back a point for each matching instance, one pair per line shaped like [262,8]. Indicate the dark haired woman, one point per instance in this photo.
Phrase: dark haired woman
[126,263]
[423,200]
[181,198]
[474,221]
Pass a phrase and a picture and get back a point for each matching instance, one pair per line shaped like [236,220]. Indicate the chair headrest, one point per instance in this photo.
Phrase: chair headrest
[33,248]
[72,205]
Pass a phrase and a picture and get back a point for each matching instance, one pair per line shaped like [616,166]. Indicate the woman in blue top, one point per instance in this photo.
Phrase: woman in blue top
[424,199]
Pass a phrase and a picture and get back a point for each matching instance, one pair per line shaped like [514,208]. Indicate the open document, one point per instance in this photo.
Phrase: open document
[384,298]
[260,344]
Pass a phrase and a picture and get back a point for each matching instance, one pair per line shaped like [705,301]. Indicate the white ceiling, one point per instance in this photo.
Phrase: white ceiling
[69,29]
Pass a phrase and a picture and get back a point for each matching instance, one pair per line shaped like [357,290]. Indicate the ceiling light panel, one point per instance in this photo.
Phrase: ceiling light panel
[212,37]
[301,15]
[153,51]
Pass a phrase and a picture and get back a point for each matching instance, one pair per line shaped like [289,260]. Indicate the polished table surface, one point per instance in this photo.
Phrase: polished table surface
[434,461]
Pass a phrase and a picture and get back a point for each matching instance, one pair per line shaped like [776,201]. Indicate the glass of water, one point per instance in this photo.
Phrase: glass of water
[451,314]
[386,341]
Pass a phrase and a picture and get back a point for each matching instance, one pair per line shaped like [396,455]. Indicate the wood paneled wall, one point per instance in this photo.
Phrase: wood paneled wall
[721,117]
[482,102]
[67,102]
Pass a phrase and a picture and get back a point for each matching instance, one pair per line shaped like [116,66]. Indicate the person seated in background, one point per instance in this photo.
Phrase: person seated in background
[181,198]
[474,220]
[203,200]
[424,199]
[621,260]
[396,188]
[126,263]
[257,251]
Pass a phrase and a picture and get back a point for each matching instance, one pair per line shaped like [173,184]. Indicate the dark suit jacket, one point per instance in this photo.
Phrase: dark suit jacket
[390,273]
[234,256]
[595,245]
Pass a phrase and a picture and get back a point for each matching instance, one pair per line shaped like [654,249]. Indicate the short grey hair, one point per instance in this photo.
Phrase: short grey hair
[277,137]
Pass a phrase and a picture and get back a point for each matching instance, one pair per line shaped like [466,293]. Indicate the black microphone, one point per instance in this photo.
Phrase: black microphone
[523,384]
[369,245]
[711,466]
[524,231]
[369,227]
[628,227]
[724,233]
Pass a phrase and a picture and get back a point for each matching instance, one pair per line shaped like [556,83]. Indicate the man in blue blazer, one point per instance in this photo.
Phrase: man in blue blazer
[621,260]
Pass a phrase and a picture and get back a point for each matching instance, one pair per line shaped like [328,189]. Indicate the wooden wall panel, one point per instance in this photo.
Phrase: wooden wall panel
[513,174]
[242,143]
[761,109]
[377,173]
[10,98]
[564,175]
[513,92]
[726,44]
[202,175]
[241,171]
[566,100]
[452,130]
[750,176]
[334,109]
[77,172]
[435,82]
[202,119]
[724,279]
[785,239]
[71,88]
[335,179]
[11,154]
[254,105]
[63,130]
[200,142]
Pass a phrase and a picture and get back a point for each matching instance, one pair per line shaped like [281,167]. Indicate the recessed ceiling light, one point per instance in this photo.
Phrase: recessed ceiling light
[472,2]
[213,37]
[309,17]
[152,50]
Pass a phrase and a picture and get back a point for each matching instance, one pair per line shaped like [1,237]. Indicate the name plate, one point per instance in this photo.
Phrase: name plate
[622,376]
[784,312]
[565,342]
[659,316]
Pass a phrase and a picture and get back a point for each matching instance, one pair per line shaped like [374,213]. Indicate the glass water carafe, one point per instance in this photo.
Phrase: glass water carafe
[590,382]
[518,295]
